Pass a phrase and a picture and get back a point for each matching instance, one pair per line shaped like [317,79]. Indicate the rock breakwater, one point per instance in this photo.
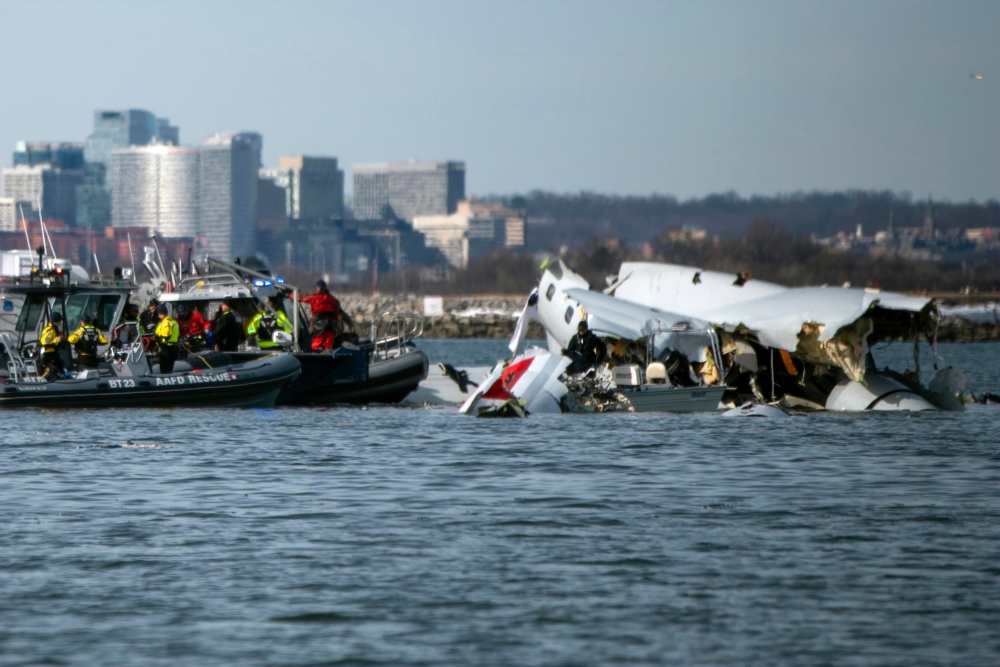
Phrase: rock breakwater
[495,316]
[485,316]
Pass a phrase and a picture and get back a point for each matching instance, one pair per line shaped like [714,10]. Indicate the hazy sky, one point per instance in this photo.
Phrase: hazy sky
[682,98]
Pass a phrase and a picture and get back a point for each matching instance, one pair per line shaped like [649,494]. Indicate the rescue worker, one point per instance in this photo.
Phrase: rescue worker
[193,327]
[50,340]
[167,333]
[149,319]
[227,330]
[325,311]
[585,349]
[269,320]
[85,340]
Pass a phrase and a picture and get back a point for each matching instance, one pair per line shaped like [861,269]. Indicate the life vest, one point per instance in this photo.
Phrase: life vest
[89,337]
[168,332]
[49,338]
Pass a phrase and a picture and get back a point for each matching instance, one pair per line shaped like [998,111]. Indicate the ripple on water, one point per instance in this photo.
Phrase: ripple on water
[398,537]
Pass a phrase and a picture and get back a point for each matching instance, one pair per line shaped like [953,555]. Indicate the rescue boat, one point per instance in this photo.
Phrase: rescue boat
[126,374]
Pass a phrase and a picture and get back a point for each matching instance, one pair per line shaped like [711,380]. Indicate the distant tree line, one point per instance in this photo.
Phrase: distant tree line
[556,220]
[771,252]
[768,250]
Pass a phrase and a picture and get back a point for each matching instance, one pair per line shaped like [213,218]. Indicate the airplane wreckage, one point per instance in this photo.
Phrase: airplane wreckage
[683,339]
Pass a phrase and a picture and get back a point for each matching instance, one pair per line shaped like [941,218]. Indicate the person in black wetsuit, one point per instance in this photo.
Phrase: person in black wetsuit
[227,329]
[585,349]
[149,319]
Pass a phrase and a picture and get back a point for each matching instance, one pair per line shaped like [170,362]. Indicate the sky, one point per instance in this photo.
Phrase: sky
[676,98]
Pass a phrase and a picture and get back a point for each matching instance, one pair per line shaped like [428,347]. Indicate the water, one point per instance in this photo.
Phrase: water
[408,536]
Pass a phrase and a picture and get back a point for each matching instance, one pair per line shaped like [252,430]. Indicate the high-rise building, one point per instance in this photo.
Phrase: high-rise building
[157,187]
[11,211]
[230,164]
[61,154]
[121,129]
[53,187]
[472,231]
[407,189]
[167,133]
[315,187]
[93,199]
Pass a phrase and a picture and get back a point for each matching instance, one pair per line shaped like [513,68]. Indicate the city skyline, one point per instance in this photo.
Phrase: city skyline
[681,99]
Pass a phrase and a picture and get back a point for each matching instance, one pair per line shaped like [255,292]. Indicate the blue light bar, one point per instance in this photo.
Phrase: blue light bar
[280,280]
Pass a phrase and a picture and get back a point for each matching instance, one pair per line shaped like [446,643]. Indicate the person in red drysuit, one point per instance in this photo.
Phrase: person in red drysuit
[193,327]
[325,313]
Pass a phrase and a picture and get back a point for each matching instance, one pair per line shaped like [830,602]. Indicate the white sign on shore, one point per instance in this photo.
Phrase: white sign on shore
[433,306]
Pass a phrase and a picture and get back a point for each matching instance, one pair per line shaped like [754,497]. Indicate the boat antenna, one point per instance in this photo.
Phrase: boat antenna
[24,224]
[98,265]
[131,257]
[163,271]
[45,232]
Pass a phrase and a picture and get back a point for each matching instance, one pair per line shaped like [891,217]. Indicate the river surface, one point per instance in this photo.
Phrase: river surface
[415,536]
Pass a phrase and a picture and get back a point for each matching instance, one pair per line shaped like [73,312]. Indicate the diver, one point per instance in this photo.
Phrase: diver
[268,321]
[50,340]
[149,319]
[227,330]
[168,332]
[325,312]
[193,327]
[85,340]
[585,350]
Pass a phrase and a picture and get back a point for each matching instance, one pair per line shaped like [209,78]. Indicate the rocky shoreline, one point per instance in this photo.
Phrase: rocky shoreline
[486,316]
[495,316]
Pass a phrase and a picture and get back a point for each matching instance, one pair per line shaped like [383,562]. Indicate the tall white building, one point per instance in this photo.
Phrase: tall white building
[53,187]
[157,186]
[229,170]
[11,211]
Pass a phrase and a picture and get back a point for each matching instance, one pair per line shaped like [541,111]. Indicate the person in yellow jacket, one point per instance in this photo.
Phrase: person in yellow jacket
[265,323]
[167,333]
[85,340]
[50,340]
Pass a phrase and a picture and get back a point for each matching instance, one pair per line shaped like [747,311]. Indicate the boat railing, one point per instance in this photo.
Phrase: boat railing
[19,368]
[400,326]
[126,344]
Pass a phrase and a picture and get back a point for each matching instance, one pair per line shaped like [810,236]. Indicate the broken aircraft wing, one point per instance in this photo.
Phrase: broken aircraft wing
[822,324]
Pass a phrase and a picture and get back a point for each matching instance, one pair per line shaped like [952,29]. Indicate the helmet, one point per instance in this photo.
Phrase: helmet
[162,309]
[56,317]
[321,284]
[86,319]
[182,310]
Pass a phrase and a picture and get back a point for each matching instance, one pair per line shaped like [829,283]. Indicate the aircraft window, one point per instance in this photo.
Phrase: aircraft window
[550,291]
[569,314]
[30,312]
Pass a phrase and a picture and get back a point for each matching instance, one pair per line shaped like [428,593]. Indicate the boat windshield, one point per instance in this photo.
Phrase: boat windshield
[100,307]
[34,306]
